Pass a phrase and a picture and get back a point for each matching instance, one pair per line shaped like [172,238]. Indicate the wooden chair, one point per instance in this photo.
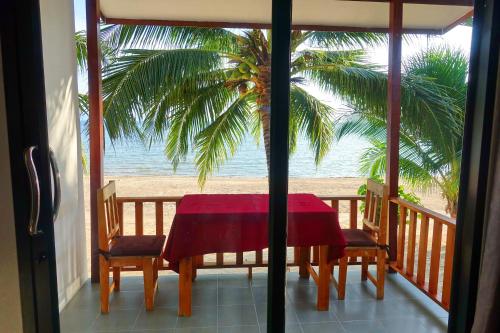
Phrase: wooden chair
[117,251]
[370,242]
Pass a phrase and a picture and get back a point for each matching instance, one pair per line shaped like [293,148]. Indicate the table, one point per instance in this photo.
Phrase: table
[222,223]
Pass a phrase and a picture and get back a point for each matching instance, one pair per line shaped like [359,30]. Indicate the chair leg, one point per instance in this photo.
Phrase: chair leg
[342,277]
[116,278]
[364,268]
[147,268]
[104,283]
[380,273]
[156,265]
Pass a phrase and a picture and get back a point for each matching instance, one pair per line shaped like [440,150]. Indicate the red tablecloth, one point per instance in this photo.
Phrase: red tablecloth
[211,223]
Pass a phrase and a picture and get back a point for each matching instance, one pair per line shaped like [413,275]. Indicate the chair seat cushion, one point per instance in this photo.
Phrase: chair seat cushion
[358,238]
[132,246]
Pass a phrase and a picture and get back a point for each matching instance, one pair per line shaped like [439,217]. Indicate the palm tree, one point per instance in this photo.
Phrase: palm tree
[209,88]
[430,140]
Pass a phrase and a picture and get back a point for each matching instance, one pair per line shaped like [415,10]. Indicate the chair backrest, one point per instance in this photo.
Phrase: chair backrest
[108,219]
[376,210]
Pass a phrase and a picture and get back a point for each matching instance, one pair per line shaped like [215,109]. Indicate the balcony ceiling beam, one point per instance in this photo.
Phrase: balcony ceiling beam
[428,2]
[250,25]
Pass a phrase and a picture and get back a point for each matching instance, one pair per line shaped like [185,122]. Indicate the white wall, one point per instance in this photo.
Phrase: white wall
[10,294]
[64,138]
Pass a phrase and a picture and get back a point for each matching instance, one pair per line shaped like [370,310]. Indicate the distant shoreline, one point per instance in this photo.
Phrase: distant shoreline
[143,185]
[111,175]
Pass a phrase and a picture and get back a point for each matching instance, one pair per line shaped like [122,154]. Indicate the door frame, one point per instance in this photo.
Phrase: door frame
[27,123]
[477,155]
[278,166]
[20,33]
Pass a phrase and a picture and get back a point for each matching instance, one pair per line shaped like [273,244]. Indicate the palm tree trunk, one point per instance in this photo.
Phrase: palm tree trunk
[452,207]
[265,116]
[263,88]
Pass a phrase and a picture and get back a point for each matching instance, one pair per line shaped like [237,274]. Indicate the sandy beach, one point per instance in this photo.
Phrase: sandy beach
[178,186]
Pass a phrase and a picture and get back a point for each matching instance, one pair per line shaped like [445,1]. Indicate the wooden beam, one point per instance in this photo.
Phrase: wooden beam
[96,132]
[458,21]
[252,25]
[394,117]
[429,2]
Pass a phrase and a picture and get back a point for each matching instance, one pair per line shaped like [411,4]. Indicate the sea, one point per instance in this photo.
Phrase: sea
[134,158]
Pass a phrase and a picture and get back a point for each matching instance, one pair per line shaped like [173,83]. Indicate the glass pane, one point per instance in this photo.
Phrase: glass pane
[198,174]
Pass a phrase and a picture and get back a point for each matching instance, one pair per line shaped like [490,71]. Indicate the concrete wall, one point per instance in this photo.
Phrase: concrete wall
[10,296]
[64,138]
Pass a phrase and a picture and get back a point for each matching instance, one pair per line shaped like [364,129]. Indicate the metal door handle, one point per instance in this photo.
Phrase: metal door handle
[34,189]
[56,178]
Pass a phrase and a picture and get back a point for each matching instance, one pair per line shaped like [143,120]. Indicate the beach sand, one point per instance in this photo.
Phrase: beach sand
[177,186]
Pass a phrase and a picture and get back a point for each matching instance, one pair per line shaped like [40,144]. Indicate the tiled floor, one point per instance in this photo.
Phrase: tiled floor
[230,303]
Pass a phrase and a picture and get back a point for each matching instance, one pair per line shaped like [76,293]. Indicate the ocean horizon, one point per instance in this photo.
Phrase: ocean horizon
[134,158]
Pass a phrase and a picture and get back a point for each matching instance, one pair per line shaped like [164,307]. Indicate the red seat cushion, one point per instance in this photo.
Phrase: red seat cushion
[358,238]
[130,246]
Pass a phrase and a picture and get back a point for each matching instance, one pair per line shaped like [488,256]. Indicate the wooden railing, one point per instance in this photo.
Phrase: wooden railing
[413,260]
[226,260]
[138,206]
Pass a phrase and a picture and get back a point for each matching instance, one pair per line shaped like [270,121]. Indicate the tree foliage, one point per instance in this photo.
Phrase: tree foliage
[206,89]
[430,138]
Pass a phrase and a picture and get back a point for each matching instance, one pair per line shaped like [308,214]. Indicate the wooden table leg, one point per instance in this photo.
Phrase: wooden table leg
[185,284]
[324,279]
[149,289]
[304,257]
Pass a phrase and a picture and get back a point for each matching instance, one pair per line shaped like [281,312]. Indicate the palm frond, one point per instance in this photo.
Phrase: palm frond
[314,119]
[374,160]
[339,39]
[135,79]
[425,105]
[81,50]
[222,137]
[205,99]
[161,37]
[191,117]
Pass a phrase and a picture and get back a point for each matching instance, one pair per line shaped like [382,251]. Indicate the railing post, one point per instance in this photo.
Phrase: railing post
[422,250]
[120,217]
[437,231]
[412,235]
[353,221]
[139,229]
[159,222]
[401,237]
[448,266]
[353,215]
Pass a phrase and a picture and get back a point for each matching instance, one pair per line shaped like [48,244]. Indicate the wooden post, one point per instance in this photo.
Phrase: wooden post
[394,117]
[323,280]
[304,258]
[96,132]
[185,285]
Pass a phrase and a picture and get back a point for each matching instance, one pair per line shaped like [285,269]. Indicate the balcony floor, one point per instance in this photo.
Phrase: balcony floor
[231,303]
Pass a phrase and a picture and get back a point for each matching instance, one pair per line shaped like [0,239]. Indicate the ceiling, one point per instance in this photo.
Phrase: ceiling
[425,17]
